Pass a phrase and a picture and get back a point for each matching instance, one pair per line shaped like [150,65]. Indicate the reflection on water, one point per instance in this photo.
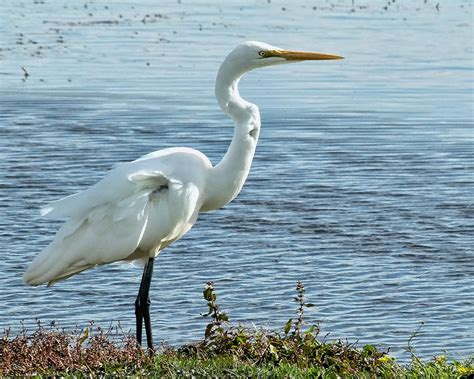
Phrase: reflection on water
[361,186]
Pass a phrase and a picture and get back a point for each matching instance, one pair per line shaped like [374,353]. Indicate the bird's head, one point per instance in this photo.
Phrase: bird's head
[252,54]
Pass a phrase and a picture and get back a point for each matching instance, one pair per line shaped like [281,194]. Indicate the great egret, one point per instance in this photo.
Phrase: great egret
[141,207]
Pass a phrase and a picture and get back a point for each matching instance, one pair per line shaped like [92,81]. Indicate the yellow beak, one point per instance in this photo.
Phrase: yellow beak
[302,55]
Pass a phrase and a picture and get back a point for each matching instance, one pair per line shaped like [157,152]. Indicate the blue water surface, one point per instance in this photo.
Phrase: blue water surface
[362,185]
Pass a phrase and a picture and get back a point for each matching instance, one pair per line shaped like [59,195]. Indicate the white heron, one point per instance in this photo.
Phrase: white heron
[141,207]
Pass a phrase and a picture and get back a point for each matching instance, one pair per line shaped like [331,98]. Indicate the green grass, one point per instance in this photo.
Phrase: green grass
[175,366]
[226,352]
[228,366]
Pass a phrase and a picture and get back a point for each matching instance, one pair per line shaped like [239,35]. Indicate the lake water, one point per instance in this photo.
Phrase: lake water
[362,185]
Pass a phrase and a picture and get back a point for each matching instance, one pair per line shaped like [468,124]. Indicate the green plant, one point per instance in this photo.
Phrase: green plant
[218,317]
[410,349]
[295,345]
[302,304]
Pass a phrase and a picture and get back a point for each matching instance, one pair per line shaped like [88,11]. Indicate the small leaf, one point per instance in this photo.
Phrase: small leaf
[273,351]
[287,328]
[84,336]
[309,305]
[310,329]
[240,340]
[207,293]
[370,349]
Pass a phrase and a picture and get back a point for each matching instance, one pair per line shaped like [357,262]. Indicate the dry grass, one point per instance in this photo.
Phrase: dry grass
[52,350]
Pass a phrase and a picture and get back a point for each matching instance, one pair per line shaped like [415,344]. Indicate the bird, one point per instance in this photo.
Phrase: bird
[141,207]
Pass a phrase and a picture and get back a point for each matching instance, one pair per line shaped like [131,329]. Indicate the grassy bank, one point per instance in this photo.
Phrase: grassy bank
[226,351]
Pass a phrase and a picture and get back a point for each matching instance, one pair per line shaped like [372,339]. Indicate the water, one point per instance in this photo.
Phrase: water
[361,186]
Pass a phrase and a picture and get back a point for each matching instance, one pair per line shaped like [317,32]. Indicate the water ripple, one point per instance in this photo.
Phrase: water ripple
[361,185]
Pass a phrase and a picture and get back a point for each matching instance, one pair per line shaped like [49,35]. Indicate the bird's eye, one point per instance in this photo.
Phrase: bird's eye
[262,53]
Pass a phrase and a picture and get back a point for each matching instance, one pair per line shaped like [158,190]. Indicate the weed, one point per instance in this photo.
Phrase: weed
[51,350]
[218,317]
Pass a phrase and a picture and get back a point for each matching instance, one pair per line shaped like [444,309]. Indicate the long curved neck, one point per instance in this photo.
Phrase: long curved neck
[227,178]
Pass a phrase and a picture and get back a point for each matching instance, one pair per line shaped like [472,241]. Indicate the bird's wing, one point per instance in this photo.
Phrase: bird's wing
[113,187]
[108,227]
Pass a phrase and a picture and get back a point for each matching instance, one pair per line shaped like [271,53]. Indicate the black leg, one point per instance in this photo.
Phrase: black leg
[142,305]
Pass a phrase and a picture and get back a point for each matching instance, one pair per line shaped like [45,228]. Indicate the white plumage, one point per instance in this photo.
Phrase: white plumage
[135,211]
[141,207]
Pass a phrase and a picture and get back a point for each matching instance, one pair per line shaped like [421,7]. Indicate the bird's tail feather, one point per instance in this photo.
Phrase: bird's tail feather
[49,267]
[57,261]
